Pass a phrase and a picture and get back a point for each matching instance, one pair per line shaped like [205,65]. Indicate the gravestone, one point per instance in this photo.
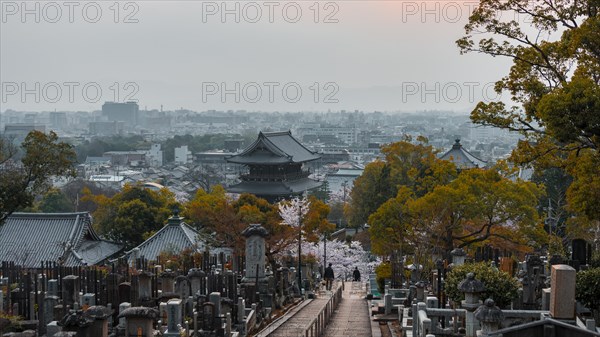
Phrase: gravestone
[241,310]
[208,316]
[164,316]
[533,282]
[70,290]
[175,316]
[579,252]
[139,321]
[52,288]
[125,292]
[50,302]
[215,298]
[167,281]
[197,279]
[99,327]
[89,300]
[122,307]
[562,293]
[182,287]
[144,286]
[255,252]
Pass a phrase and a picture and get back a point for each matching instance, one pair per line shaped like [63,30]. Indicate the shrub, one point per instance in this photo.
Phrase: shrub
[382,272]
[587,288]
[500,286]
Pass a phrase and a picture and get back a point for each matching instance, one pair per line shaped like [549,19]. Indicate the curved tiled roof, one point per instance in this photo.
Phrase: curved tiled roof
[176,235]
[274,148]
[462,158]
[30,238]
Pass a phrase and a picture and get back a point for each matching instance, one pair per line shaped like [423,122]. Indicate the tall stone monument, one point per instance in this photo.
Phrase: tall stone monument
[255,252]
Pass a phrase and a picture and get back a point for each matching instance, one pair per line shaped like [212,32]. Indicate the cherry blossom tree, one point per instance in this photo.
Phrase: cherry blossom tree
[291,211]
[344,257]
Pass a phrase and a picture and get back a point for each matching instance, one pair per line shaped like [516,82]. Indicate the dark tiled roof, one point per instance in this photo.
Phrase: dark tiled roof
[274,148]
[275,188]
[176,235]
[30,238]
[462,158]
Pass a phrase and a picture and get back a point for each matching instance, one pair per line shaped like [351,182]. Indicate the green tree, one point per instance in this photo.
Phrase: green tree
[480,206]
[587,289]
[499,286]
[133,214]
[415,166]
[43,157]
[390,226]
[55,201]
[554,82]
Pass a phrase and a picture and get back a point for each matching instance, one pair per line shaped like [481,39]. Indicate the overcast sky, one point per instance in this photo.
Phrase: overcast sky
[366,55]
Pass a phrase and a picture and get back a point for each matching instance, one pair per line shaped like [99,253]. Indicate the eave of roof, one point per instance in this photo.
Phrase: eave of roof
[275,188]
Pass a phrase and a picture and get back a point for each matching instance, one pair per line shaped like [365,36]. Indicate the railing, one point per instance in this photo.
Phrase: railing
[319,323]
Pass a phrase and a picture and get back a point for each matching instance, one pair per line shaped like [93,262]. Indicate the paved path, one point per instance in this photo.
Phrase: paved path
[296,325]
[351,319]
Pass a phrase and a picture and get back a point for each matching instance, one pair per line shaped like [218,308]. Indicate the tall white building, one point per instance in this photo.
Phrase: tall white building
[183,155]
[154,156]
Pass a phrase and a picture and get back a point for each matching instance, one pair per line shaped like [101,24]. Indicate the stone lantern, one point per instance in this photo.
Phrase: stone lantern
[420,291]
[490,317]
[471,287]
[458,256]
[139,321]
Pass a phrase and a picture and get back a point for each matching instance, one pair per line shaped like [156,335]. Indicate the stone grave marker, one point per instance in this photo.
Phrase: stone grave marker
[125,292]
[182,287]
[70,290]
[562,293]
[197,279]
[122,307]
[52,288]
[89,300]
[208,316]
[50,302]
[579,254]
[255,252]
[175,316]
[215,299]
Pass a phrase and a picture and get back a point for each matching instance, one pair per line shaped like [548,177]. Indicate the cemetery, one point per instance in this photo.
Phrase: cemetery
[215,294]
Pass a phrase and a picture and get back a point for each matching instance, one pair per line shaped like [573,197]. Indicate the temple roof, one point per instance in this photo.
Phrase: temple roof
[274,148]
[283,188]
[175,236]
[462,158]
[29,239]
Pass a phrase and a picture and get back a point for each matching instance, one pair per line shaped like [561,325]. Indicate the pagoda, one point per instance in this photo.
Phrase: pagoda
[275,162]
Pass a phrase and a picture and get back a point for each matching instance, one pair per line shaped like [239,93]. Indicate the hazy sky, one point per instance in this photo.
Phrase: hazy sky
[367,55]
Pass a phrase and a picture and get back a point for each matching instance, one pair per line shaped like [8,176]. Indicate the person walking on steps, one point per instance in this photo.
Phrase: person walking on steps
[328,277]
[356,274]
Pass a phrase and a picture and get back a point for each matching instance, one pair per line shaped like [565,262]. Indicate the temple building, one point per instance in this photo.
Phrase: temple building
[462,158]
[28,239]
[275,163]
[174,237]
